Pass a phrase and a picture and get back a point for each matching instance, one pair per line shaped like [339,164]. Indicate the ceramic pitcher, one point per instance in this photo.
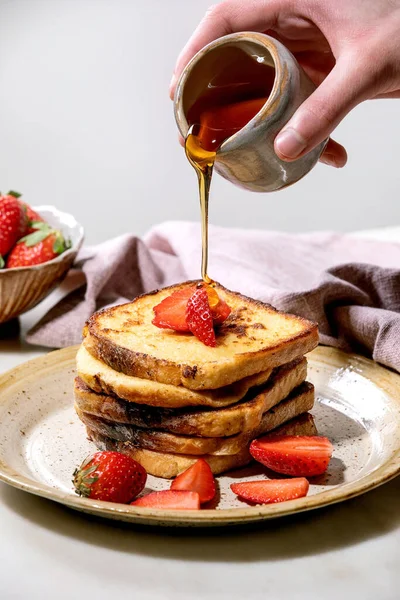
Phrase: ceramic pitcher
[247,158]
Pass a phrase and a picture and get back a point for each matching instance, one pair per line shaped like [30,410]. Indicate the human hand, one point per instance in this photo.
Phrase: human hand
[349,48]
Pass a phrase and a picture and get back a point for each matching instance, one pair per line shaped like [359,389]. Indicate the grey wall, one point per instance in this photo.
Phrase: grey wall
[86,124]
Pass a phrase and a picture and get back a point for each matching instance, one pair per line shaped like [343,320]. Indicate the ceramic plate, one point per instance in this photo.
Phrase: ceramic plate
[357,407]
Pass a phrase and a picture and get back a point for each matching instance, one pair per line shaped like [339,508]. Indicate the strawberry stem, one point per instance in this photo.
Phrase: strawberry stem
[59,243]
[14,194]
[36,237]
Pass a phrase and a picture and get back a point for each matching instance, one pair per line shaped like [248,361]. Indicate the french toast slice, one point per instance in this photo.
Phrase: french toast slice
[298,402]
[103,379]
[255,337]
[240,417]
[168,465]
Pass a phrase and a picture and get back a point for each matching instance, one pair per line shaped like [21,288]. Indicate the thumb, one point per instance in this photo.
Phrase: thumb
[318,116]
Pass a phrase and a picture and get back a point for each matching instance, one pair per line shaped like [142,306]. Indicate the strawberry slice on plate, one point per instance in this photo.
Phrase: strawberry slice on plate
[299,456]
[197,478]
[171,312]
[199,317]
[269,491]
[170,499]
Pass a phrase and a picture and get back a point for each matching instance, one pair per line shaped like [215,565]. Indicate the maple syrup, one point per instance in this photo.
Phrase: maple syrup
[240,86]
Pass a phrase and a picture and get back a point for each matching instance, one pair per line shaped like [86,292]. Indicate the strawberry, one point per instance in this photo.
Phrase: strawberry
[38,247]
[199,318]
[269,491]
[34,219]
[197,478]
[109,476]
[32,216]
[171,312]
[13,223]
[293,455]
[170,499]
[219,308]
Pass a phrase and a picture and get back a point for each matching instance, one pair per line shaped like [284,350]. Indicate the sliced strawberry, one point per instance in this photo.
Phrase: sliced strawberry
[171,312]
[293,455]
[197,478]
[199,318]
[170,499]
[219,308]
[271,490]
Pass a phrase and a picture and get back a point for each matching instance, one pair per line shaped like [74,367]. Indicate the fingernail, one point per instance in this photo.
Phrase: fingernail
[290,143]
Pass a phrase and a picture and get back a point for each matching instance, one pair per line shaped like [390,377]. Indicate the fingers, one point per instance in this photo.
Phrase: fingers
[317,117]
[221,19]
[395,94]
[334,155]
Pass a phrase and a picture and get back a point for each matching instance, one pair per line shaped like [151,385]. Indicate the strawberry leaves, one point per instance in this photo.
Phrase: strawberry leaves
[42,232]
[14,194]
[82,478]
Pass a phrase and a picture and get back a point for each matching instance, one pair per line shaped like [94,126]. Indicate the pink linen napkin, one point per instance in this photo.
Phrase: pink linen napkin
[350,286]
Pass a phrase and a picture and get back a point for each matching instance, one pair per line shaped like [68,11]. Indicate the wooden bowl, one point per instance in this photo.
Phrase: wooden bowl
[23,287]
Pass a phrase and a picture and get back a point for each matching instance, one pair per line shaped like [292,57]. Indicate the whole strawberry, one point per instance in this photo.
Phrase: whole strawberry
[110,476]
[38,247]
[32,217]
[13,224]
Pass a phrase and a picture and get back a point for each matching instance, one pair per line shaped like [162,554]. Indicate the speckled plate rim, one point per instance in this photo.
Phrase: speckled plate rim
[387,380]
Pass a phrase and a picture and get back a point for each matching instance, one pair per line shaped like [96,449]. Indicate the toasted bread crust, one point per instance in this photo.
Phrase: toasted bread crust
[240,417]
[299,401]
[102,379]
[102,343]
[170,465]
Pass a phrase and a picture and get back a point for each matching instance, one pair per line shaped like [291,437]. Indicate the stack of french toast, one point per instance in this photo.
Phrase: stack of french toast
[166,398]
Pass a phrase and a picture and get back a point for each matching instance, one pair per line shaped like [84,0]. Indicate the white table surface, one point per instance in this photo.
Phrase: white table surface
[347,551]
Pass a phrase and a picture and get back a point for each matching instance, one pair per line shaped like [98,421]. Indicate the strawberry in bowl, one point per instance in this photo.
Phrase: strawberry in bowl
[38,245]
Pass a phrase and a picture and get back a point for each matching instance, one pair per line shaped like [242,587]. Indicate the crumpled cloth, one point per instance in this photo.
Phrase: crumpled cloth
[348,285]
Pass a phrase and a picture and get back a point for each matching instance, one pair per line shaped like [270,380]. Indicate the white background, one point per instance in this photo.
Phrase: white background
[86,124]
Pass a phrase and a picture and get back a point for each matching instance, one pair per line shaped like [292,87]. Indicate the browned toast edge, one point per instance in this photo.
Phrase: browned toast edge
[300,400]
[167,466]
[198,377]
